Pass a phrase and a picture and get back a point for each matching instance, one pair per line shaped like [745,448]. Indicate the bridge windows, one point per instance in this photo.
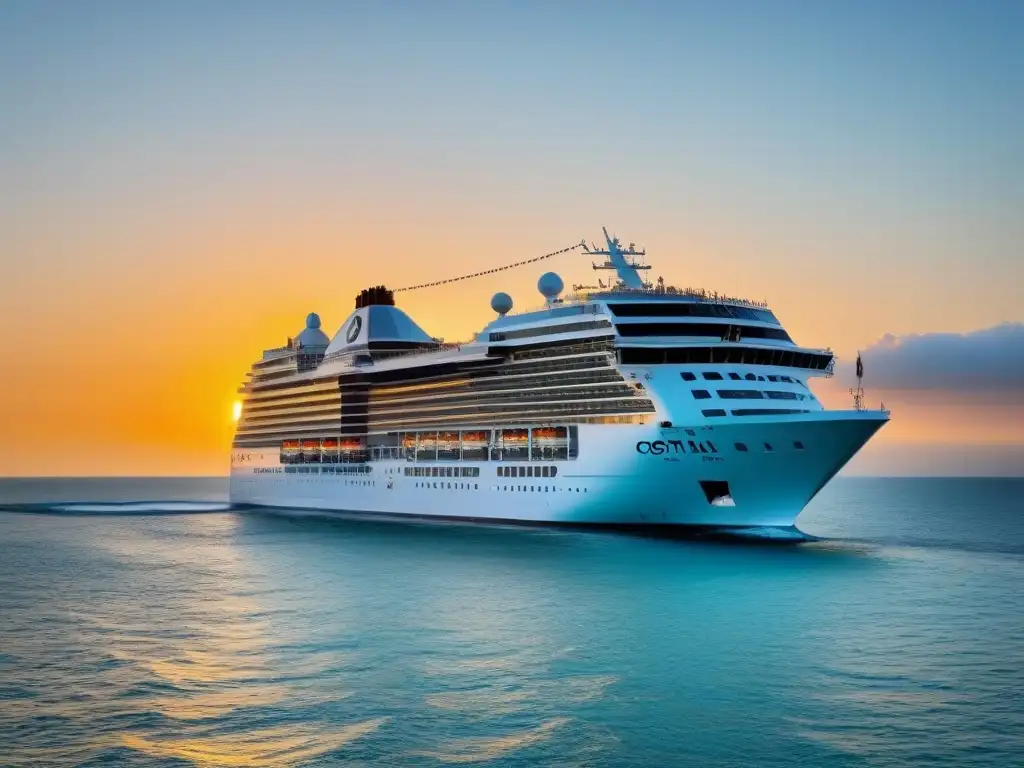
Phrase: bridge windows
[732,354]
[740,394]
[692,309]
[723,331]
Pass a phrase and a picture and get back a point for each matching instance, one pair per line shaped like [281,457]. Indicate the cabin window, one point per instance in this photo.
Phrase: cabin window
[768,448]
[687,376]
[701,394]
[734,376]
[767,411]
[798,445]
[782,395]
[741,447]
[740,394]
[713,412]
[712,376]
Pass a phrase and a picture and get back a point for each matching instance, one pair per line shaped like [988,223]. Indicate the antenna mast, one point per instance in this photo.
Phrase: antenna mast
[858,394]
[624,262]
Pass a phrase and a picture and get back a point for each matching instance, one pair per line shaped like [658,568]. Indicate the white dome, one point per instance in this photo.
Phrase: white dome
[311,335]
[501,303]
[550,285]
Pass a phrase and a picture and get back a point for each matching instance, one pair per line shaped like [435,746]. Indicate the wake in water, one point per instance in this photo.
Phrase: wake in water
[127,508]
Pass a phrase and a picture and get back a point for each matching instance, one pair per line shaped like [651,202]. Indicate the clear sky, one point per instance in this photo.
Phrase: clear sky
[181,182]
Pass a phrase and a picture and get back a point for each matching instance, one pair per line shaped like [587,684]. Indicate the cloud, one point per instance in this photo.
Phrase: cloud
[987,361]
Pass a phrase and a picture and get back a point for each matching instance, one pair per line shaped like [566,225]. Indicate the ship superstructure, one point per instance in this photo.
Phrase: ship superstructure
[622,404]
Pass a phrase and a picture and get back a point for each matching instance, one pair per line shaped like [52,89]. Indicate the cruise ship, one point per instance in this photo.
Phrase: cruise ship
[626,404]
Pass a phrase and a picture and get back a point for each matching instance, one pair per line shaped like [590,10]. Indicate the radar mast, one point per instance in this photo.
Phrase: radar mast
[624,262]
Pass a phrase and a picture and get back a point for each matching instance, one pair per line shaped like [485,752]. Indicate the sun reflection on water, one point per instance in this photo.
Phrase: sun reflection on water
[222,663]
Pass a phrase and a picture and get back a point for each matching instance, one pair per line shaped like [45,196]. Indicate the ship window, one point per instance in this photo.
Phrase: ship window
[701,394]
[751,377]
[712,447]
[713,412]
[522,471]
[782,395]
[768,448]
[740,394]
[687,376]
[554,471]
[525,333]
[798,445]
[772,378]
[741,447]
[767,411]
[734,376]
[712,376]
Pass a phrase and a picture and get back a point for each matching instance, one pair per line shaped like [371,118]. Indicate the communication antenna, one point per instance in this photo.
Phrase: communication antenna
[858,393]
[625,262]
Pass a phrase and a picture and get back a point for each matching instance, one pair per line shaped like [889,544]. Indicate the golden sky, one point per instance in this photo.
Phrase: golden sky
[177,193]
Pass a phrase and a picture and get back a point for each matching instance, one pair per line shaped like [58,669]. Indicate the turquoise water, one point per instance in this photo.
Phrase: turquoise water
[184,634]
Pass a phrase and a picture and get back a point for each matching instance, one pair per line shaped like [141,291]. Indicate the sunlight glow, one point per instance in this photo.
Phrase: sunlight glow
[236,410]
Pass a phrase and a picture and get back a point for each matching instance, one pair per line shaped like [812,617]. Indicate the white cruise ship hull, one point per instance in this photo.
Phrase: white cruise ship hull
[625,475]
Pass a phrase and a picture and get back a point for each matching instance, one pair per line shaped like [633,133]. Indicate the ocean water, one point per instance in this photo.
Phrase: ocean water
[145,622]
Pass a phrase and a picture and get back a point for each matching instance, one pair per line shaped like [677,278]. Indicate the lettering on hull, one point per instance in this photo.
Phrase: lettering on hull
[676,447]
[660,447]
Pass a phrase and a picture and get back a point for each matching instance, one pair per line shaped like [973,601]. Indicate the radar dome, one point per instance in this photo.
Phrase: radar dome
[550,285]
[501,303]
[311,335]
